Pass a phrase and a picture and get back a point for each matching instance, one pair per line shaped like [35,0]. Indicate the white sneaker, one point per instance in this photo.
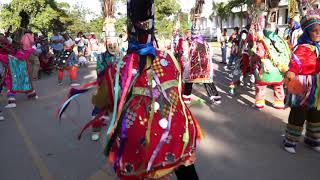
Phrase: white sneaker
[1,118]
[107,118]
[317,149]
[216,99]
[217,102]
[95,137]
[291,150]
[74,84]
[11,105]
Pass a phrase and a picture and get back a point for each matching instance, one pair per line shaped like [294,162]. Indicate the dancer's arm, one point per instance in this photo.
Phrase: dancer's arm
[4,58]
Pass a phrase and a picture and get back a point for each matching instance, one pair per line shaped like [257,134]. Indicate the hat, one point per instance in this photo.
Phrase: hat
[69,43]
[309,20]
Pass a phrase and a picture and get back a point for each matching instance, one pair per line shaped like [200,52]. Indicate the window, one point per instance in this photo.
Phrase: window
[286,16]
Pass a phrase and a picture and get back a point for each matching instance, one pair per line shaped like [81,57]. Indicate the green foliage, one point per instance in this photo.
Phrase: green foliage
[221,10]
[236,3]
[164,21]
[43,14]
[77,17]
[183,22]
[224,10]
[96,25]
[120,23]
[164,9]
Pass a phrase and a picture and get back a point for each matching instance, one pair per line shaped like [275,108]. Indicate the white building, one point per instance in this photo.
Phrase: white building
[211,28]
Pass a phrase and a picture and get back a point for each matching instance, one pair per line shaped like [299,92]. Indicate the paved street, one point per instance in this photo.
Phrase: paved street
[240,142]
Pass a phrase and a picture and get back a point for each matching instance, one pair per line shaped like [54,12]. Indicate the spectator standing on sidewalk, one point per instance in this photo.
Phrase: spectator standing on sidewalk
[224,46]
[234,39]
[56,42]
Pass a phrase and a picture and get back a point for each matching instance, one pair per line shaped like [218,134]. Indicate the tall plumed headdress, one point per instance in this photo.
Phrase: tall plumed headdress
[140,21]
[310,20]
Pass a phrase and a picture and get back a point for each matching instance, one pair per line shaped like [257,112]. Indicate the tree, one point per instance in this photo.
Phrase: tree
[164,20]
[221,10]
[77,17]
[43,14]
[237,4]
[120,23]
[164,11]
[96,24]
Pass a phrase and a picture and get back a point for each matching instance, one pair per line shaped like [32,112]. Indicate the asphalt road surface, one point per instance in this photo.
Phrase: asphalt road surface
[240,142]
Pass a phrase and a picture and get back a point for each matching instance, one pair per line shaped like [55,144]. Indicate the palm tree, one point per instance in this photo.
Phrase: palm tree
[220,10]
[108,13]
[107,8]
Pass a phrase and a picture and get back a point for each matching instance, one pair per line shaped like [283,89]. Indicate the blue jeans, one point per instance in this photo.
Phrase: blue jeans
[224,54]
[232,59]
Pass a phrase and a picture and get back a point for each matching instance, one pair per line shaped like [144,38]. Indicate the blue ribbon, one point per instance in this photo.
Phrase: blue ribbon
[143,49]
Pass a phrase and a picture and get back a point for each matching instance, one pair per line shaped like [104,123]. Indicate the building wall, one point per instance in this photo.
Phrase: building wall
[235,21]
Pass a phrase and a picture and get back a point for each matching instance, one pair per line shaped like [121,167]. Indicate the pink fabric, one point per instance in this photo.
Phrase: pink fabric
[27,41]
[21,55]
[278,92]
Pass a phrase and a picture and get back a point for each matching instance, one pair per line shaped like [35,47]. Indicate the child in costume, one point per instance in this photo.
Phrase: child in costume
[303,87]
[272,59]
[67,61]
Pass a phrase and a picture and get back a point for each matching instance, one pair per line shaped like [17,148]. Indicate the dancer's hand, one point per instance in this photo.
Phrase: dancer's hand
[295,87]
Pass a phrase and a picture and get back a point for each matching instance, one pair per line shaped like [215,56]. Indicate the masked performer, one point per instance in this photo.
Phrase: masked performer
[105,63]
[151,133]
[193,53]
[304,82]
[154,132]
[272,57]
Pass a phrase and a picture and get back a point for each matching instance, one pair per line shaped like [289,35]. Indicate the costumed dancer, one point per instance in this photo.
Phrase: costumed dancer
[272,56]
[244,67]
[151,133]
[105,63]
[67,61]
[303,87]
[154,133]
[4,46]
[16,62]
[194,53]
[17,77]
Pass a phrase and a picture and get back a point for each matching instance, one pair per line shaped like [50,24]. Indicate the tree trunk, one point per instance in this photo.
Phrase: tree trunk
[221,20]
[241,18]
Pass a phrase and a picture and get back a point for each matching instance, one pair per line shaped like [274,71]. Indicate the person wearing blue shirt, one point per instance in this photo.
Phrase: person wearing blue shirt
[56,42]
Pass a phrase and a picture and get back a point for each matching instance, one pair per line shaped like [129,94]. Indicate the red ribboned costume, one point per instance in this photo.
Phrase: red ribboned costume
[136,152]
[306,55]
